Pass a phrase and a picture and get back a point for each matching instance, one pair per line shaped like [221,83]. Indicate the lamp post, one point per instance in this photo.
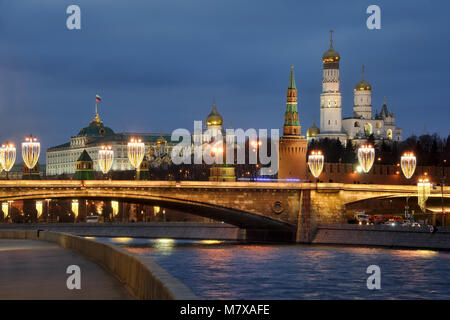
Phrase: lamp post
[366,156]
[442,191]
[255,145]
[7,156]
[48,208]
[315,163]
[31,150]
[38,209]
[136,152]
[5,209]
[115,208]
[105,159]
[75,208]
[408,163]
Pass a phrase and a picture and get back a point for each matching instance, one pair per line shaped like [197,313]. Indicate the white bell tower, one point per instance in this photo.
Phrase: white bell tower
[330,98]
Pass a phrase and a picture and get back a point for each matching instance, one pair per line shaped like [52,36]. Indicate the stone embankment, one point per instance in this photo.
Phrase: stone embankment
[383,235]
[176,230]
[144,278]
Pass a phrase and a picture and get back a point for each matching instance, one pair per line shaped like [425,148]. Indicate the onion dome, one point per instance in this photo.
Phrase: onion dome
[313,131]
[331,55]
[363,85]
[161,140]
[214,118]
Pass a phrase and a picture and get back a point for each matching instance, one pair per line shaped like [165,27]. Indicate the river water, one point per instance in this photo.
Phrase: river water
[223,270]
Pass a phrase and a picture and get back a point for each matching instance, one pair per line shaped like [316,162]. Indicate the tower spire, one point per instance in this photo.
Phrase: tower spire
[291,119]
[331,38]
[363,69]
[292,79]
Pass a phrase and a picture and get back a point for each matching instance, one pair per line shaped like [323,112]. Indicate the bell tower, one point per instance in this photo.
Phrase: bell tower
[293,146]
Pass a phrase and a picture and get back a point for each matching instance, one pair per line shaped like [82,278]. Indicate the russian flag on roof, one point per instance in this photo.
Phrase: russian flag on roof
[98,98]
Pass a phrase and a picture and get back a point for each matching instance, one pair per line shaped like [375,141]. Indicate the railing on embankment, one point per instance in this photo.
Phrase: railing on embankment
[141,275]
[383,235]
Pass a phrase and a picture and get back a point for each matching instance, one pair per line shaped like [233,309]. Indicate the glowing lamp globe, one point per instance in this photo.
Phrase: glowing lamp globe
[315,163]
[105,159]
[39,208]
[31,150]
[115,207]
[7,156]
[408,163]
[366,157]
[75,207]
[136,152]
[423,192]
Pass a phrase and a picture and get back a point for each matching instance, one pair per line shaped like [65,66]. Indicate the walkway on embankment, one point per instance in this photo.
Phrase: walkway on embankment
[33,269]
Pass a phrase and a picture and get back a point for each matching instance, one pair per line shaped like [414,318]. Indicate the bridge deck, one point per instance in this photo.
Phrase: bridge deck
[37,270]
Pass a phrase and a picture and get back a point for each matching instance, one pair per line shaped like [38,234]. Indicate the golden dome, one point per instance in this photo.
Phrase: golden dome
[313,131]
[363,85]
[214,118]
[331,55]
[161,140]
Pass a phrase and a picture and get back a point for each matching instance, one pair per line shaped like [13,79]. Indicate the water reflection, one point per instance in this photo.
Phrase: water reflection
[242,271]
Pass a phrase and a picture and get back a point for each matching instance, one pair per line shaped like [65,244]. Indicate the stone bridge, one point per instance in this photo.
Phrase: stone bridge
[272,211]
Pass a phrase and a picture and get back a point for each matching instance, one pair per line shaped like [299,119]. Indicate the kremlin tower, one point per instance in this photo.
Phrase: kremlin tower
[293,146]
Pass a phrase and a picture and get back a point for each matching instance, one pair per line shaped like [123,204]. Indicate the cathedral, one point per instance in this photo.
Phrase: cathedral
[363,123]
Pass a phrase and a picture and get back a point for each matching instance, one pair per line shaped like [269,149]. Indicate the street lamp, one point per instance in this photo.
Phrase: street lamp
[136,152]
[105,159]
[256,144]
[315,163]
[366,156]
[423,192]
[75,207]
[39,209]
[408,163]
[115,208]
[31,149]
[5,209]
[442,191]
[7,156]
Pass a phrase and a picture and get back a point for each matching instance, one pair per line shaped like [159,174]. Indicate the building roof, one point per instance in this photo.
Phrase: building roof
[214,118]
[363,85]
[313,131]
[84,157]
[96,131]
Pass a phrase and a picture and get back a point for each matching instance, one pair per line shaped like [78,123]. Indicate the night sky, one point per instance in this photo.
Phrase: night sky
[158,63]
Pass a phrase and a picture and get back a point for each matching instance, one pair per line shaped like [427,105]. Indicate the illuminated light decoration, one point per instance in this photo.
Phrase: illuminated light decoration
[75,207]
[5,208]
[136,151]
[39,208]
[7,156]
[105,159]
[366,156]
[408,163]
[115,208]
[315,163]
[31,150]
[423,192]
